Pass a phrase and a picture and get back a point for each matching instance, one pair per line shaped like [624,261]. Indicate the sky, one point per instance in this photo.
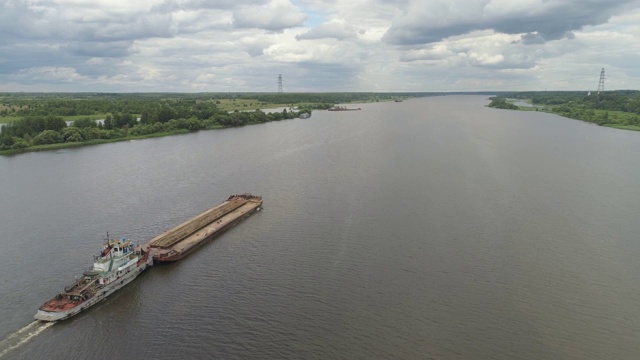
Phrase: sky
[318,46]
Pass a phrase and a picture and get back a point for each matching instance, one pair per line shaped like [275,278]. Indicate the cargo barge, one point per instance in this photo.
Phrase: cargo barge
[342,108]
[178,242]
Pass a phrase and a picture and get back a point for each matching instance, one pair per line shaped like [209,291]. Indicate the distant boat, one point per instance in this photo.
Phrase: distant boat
[342,108]
[398,100]
[304,115]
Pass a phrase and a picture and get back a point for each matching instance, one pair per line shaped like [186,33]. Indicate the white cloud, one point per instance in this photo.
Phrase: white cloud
[48,73]
[338,29]
[431,21]
[277,15]
[336,45]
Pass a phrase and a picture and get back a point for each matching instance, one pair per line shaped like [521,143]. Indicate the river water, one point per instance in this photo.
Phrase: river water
[431,228]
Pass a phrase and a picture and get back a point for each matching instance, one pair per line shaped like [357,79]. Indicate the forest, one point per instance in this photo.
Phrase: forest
[619,109]
[43,121]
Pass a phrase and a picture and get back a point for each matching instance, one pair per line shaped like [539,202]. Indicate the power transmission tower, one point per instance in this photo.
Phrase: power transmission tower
[279,83]
[601,83]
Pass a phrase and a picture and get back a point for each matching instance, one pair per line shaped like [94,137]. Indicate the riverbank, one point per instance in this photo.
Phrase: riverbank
[67,145]
[573,110]
[40,122]
[51,132]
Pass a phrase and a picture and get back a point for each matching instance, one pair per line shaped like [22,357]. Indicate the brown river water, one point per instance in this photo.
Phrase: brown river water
[431,228]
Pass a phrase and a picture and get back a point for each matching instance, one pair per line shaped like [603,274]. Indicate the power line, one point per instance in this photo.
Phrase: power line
[529,84]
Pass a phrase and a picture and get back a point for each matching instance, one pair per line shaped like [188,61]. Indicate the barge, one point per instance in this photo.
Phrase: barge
[342,108]
[178,242]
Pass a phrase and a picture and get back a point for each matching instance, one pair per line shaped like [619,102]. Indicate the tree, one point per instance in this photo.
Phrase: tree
[108,122]
[72,134]
[500,103]
[90,133]
[165,114]
[19,143]
[54,123]
[6,141]
[85,123]
[120,120]
[48,137]
[260,116]
[148,116]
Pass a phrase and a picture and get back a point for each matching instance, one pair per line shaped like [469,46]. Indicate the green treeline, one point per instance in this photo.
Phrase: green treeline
[78,104]
[38,121]
[159,118]
[500,103]
[621,100]
[619,109]
[27,104]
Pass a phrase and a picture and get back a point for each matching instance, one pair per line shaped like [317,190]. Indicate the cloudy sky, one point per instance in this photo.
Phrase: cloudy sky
[320,46]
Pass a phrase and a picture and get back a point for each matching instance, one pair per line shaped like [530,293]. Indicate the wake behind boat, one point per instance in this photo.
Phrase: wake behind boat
[118,264]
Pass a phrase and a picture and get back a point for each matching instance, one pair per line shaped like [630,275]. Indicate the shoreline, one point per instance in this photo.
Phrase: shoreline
[76,144]
[598,116]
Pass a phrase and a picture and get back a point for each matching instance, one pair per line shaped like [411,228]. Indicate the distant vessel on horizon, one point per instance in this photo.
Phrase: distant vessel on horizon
[342,108]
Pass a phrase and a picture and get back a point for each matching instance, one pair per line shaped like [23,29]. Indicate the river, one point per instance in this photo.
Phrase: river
[430,228]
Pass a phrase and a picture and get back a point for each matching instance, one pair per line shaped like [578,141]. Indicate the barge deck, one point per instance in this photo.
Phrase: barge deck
[176,243]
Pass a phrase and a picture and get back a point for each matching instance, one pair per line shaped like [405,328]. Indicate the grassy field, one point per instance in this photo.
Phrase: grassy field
[252,104]
[244,104]
[91,117]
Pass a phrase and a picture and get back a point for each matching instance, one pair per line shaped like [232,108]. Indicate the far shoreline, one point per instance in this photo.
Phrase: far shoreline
[571,106]
[43,122]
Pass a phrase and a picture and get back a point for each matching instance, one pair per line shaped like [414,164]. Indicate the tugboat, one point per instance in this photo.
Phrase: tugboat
[118,264]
